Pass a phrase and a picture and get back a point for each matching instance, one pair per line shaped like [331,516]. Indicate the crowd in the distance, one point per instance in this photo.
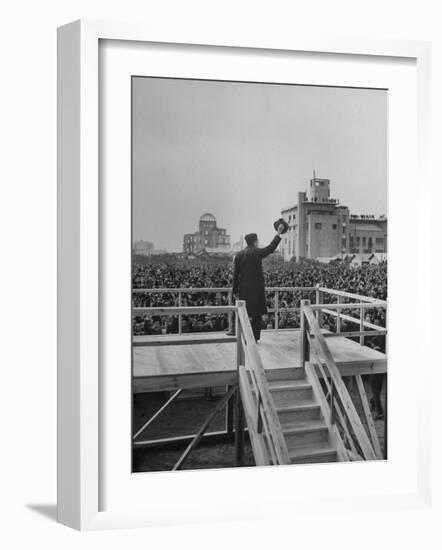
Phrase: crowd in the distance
[367,280]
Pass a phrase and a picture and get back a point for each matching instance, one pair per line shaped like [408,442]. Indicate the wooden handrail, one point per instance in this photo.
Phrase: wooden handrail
[265,406]
[333,409]
[353,305]
[189,310]
[183,289]
[350,295]
[191,290]
[334,309]
[351,319]
[338,384]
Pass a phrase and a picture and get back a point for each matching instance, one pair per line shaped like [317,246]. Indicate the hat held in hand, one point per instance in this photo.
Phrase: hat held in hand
[284,223]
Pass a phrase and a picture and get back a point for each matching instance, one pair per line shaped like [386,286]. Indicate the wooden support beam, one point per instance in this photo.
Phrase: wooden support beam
[229,413]
[157,414]
[177,340]
[368,416]
[239,430]
[177,441]
[203,428]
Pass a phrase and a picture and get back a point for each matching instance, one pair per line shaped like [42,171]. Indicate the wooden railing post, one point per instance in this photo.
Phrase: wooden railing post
[361,325]
[304,343]
[180,315]
[239,410]
[230,315]
[319,295]
[332,402]
[276,309]
[240,353]
[259,419]
[338,316]
[239,430]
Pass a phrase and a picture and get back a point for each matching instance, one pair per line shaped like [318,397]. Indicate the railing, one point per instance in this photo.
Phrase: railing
[331,309]
[336,404]
[252,394]
[253,399]
[266,437]
[335,310]
[178,292]
[231,392]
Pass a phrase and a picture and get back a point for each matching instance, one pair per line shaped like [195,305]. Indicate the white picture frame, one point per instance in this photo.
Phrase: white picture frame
[79,295]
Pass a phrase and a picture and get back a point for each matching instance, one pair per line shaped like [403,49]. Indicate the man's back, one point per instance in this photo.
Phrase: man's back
[248,277]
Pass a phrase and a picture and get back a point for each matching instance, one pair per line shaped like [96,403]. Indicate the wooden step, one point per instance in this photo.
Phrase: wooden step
[292,414]
[313,454]
[285,374]
[290,392]
[289,382]
[305,433]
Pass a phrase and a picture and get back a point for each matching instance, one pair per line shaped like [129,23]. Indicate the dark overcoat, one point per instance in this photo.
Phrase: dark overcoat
[248,277]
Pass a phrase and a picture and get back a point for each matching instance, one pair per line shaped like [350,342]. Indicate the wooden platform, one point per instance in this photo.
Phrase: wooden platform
[169,362]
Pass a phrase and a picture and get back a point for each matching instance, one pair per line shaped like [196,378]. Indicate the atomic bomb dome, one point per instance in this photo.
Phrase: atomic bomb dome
[209,237]
[207,217]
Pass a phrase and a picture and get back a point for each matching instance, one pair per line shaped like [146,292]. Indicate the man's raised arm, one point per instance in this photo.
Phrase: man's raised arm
[267,250]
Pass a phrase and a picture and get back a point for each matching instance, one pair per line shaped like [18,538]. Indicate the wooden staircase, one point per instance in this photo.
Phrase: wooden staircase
[299,415]
[304,429]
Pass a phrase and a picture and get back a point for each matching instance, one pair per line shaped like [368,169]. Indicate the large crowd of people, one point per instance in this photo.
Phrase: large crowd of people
[367,280]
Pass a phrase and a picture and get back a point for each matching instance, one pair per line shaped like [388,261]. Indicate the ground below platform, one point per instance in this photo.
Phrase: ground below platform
[185,417]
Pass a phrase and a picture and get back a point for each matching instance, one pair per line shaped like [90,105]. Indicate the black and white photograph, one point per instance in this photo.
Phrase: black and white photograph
[222,226]
[259,274]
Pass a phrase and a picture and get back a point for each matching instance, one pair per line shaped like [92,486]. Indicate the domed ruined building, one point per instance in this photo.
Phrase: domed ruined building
[209,237]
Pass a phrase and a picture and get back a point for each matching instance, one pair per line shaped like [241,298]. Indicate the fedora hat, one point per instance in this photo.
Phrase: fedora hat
[284,223]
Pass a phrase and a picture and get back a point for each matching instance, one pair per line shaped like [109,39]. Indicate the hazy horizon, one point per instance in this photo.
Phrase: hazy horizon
[243,151]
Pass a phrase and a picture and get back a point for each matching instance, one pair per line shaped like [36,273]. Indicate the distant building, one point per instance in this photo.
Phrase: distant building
[318,224]
[143,248]
[368,234]
[357,259]
[209,237]
[320,227]
[239,245]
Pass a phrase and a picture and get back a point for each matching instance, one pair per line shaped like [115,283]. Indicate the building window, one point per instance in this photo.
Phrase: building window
[205,241]
[318,225]
[335,226]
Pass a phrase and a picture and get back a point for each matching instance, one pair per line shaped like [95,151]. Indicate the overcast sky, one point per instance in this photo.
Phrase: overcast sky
[243,151]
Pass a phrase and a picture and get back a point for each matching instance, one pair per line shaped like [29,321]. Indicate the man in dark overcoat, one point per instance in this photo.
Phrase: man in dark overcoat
[248,277]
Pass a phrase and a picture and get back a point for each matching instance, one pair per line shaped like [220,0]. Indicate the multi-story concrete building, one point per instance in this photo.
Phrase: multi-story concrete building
[320,227]
[368,234]
[209,237]
[318,224]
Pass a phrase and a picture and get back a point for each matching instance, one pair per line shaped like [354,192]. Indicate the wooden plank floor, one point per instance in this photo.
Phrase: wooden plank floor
[187,364]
